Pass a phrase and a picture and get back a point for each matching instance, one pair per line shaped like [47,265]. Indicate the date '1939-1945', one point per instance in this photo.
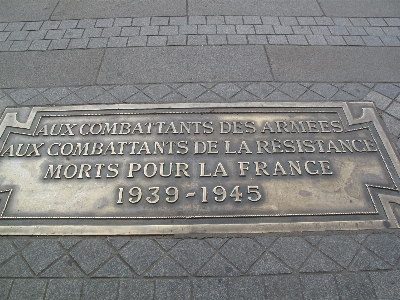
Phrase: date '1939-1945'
[152,194]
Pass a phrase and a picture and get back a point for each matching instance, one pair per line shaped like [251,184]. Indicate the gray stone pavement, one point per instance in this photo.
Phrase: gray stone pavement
[66,52]
[352,265]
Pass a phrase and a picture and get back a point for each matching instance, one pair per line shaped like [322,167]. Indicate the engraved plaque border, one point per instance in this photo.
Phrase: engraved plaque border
[356,113]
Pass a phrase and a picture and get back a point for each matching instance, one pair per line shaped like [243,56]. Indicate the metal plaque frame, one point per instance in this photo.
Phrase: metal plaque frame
[355,115]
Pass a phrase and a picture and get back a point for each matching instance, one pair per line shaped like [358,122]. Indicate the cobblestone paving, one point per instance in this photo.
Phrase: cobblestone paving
[198,30]
[386,96]
[362,265]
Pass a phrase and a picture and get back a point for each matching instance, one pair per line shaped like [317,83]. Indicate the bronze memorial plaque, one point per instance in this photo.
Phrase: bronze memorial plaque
[196,168]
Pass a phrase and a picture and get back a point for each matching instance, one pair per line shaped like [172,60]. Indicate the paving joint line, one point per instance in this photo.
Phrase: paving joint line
[269,64]
[52,12]
[100,64]
[372,285]
[320,7]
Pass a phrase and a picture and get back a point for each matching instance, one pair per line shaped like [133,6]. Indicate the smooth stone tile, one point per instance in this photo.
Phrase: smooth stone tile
[354,286]
[361,8]
[51,68]
[64,289]
[319,286]
[386,284]
[136,289]
[282,288]
[26,10]
[100,289]
[246,288]
[77,9]
[184,64]
[5,285]
[334,64]
[172,289]
[27,289]
[210,288]
[254,7]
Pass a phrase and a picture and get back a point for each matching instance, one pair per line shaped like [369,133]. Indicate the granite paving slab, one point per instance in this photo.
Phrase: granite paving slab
[184,64]
[24,10]
[350,64]
[76,9]
[49,68]
[360,8]
[255,7]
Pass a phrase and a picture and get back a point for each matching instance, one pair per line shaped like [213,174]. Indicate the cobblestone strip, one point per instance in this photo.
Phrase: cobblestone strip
[362,265]
[386,96]
[198,30]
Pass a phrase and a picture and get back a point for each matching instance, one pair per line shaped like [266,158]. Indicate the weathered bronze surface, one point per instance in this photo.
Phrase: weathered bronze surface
[198,168]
